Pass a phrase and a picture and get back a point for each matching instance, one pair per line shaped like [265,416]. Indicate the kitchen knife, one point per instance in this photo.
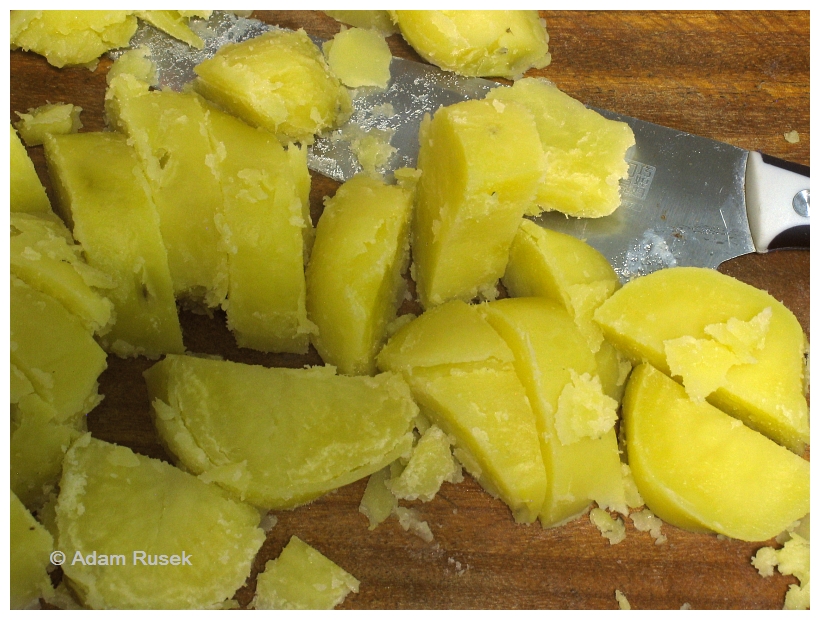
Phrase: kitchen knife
[688,200]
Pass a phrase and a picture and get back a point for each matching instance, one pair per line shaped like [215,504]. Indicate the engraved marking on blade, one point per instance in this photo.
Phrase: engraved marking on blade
[637,184]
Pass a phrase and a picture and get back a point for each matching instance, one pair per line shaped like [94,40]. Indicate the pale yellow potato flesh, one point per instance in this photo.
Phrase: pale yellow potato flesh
[437,337]
[175,24]
[375,20]
[359,57]
[59,118]
[683,301]
[461,374]
[113,216]
[27,192]
[354,277]
[430,465]
[378,502]
[584,151]
[478,43]
[321,430]
[480,164]
[62,361]
[279,81]
[43,254]
[29,545]
[302,578]
[547,263]
[702,470]
[169,132]
[548,350]
[71,37]
[119,513]
[266,228]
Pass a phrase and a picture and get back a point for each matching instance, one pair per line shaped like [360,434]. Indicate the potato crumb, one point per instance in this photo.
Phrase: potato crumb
[792,137]
[792,559]
[622,602]
[646,521]
[611,529]
[633,496]
[410,522]
[686,606]
[584,410]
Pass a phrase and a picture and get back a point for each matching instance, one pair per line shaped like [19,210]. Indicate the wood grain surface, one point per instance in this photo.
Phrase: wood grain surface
[738,77]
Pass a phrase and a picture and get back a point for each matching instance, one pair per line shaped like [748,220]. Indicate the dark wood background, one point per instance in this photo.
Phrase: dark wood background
[738,77]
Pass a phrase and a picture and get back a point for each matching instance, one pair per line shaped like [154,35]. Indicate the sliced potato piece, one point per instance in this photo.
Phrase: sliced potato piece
[279,81]
[375,20]
[302,578]
[169,540]
[354,278]
[30,545]
[169,132]
[479,43]
[62,361]
[321,430]
[267,230]
[114,218]
[27,192]
[573,416]
[430,465]
[702,470]
[59,118]
[359,57]
[43,254]
[480,163]
[653,310]
[584,151]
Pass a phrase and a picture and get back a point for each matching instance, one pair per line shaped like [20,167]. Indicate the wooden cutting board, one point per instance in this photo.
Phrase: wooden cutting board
[738,77]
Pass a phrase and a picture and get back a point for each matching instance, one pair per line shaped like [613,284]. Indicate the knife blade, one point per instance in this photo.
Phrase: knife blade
[688,200]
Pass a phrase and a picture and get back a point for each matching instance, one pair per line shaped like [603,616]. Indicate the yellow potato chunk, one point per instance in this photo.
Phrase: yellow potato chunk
[279,81]
[302,578]
[437,337]
[27,192]
[175,24]
[480,163]
[573,417]
[50,346]
[674,303]
[546,263]
[37,446]
[58,118]
[169,132]
[321,430]
[267,230]
[430,465]
[114,218]
[378,502]
[478,43]
[359,57]
[71,37]
[584,151]
[702,470]
[139,533]
[43,254]
[354,278]
[30,545]
[466,384]
[375,20]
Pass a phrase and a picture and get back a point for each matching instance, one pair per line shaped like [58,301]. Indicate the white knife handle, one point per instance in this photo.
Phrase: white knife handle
[777,203]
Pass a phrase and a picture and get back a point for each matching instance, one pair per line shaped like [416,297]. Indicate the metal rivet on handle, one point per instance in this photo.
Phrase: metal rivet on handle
[800,203]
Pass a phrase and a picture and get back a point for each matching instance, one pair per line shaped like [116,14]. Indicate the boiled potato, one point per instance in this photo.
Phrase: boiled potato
[169,132]
[279,81]
[375,20]
[27,192]
[359,57]
[321,430]
[138,533]
[480,164]
[265,225]
[462,376]
[574,418]
[30,545]
[651,312]
[302,578]
[702,470]
[59,118]
[430,465]
[115,219]
[478,43]
[354,278]
[584,151]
